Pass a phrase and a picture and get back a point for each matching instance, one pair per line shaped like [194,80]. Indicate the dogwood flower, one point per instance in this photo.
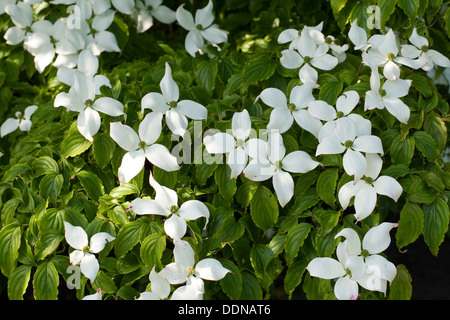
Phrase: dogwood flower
[22,16]
[419,55]
[160,287]
[95,296]
[366,190]
[377,269]
[99,38]
[388,96]
[168,104]
[200,28]
[81,98]
[308,54]
[346,141]
[83,255]
[185,269]
[233,143]
[301,101]
[292,35]
[146,10]
[358,36]
[166,204]
[22,121]
[272,162]
[142,146]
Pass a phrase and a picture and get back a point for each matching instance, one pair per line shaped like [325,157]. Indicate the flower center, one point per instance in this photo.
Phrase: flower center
[85,249]
[191,271]
[348,272]
[368,180]
[364,253]
[348,144]
[390,56]
[277,165]
[173,209]
[142,145]
[199,27]
[424,48]
[19,115]
[382,92]
[149,8]
[307,59]
[173,104]
[240,143]
[88,103]
[339,114]
[292,107]
[328,40]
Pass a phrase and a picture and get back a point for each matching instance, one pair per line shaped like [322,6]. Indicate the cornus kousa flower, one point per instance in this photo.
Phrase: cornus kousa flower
[160,287]
[167,103]
[292,35]
[419,55]
[308,54]
[346,141]
[358,36]
[166,204]
[148,10]
[301,102]
[233,143]
[95,296]
[84,251]
[388,96]
[200,28]
[366,190]
[184,269]
[142,146]
[271,161]
[22,16]
[344,106]
[22,121]
[365,256]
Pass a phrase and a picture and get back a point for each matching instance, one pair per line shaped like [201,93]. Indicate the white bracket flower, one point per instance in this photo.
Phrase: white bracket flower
[22,121]
[146,10]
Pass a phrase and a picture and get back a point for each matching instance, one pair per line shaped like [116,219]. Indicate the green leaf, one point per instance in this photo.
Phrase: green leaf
[105,282]
[246,192]
[9,247]
[92,184]
[45,165]
[401,288]
[258,69]
[330,88]
[48,243]
[45,282]
[436,128]
[18,282]
[402,151]
[50,186]
[326,186]
[232,282]
[447,21]
[152,249]
[229,231]
[203,171]
[74,143]
[227,187]
[16,170]
[387,7]
[410,225]
[103,148]
[294,240]
[419,192]
[124,190]
[410,7]
[127,238]
[264,208]
[206,74]
[435,224]
[294,275]
[426,145]
[251,290]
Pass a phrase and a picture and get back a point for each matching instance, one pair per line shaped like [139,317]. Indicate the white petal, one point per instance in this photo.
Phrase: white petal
[418,40]
[321,110]
[373,100]
[124,6]
[76,256]
[88,123]
[214,35]
[308,74]
[168,86]
[357,266]
[161,157]
[132,164]
[377,239]
[347,101]
[354,164]
[276,149]
[148,206]
[345,129]
[95,296]
[290,59]
[391,71]
[325,62]
[100,81]
[205,16]
[150,128]
[124,136]
[99,240]
[368,144]
[280,119]
[193,42]
[257,171]
[183,253]
[109,106]
[352,241]
[21,14]
[325,268]
[107,41]
[388,186]
[102,21]
[75,236]
[89,266]
[396,88]
[241,125]
[347,191]
[329,145]
[14,36]
[383,268]
[164,196]
[298,162]
[87,62]
[346,289]
[160,285]
[155,102]
[210,269]
[357,35]
[363,127]
[220,142]
[365,201]
[398,109]
[287,35]
[283,185]
[306,121]
[9,126]
[389,44]
[301,95]
[306,45]
[71,101]
[256,148]
[374,165]
[187,292]
[237,160]
[164,14]
[192,109]
[25,125]
[411,52]
[274,98]
[175,273]
[438,58]
[194,209]
[185,18]
[175,227]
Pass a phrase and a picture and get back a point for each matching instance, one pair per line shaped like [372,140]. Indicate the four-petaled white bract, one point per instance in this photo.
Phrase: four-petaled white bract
[22,121]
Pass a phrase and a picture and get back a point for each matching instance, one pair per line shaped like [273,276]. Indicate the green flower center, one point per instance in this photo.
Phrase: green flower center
[328,40]
[348,272]
[173,209]
[85,249]
[424,48]
[382,92]
[368,180]
[149,8]
[307,59]
[348,144]
[292,107]
[142,145]
[199,27]
[277,165]
[240,143]
[89,103]
[191,271]
[365,253]
[19,115]
[339,114]
[390,56]
[173,104]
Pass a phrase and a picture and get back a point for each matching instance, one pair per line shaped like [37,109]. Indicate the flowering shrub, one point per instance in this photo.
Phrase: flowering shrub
[221,149]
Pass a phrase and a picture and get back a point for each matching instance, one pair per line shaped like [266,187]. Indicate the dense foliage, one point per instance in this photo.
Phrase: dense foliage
[89,175]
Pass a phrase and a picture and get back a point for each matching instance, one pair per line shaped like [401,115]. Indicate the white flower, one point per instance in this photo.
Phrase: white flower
[69,41]
[233,143]
[22,16]
[346,141]
[200,28]
[184,269]
[270,161]
[388,96]
[358,36]
[166,204]
[83,255]
[378,270]
[419,55]
[168,104]
[365,190]
[160,287]
[99,39]
[292,35]
[306,54]
[301,102]
[142,146]
[81,98]
[95,296]
[149,9]
[23,122]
